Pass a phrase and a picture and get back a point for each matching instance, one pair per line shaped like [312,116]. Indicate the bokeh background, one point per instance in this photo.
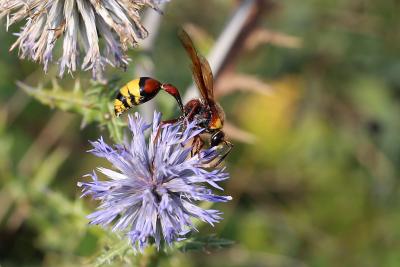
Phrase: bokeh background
[311,90]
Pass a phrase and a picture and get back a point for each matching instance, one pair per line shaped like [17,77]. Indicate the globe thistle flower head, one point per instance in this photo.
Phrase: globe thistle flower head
[79,24]
[154,191]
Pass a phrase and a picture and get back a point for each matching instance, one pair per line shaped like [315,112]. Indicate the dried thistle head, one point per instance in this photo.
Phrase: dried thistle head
[80,24]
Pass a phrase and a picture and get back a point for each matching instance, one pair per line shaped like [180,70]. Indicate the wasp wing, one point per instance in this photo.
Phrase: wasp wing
[197,64]
[207,77]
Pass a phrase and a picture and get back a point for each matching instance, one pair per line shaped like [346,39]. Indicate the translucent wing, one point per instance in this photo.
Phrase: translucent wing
[200,70]
[207,77]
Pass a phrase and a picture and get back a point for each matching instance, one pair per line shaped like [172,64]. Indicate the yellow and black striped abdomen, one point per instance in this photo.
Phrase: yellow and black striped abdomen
[134,93]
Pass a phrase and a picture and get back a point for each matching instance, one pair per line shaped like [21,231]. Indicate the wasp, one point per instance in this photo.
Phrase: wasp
[205,110]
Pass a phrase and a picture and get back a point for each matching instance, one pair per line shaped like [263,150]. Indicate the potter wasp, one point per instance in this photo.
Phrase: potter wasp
[205,109]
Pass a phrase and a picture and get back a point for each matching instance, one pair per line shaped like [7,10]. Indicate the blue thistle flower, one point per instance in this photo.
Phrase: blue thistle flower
[153,192]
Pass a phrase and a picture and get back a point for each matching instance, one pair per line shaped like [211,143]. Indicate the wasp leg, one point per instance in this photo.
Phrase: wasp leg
[192,108]
[197,145]
[162,123]
[200,146]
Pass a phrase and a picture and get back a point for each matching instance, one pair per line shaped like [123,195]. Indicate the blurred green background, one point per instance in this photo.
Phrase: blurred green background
[317,186]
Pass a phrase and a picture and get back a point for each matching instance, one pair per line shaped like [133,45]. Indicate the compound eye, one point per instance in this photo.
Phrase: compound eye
[217,138]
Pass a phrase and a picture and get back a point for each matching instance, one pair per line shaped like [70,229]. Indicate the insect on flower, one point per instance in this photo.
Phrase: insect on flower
[205,110]
[153,194]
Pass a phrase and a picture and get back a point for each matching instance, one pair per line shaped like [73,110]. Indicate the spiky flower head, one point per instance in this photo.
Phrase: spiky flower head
[153,193]
[80,24]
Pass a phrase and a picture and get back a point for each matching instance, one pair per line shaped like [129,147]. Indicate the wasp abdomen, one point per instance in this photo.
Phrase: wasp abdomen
[134,93]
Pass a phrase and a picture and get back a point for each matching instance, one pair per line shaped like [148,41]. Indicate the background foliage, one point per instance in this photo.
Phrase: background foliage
[318,187]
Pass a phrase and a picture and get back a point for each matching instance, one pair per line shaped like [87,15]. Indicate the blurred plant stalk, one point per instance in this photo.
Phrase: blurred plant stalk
[225,42]
[51,133]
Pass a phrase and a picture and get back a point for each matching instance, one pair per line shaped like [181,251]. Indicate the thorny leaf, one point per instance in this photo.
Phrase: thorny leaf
[92,104]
